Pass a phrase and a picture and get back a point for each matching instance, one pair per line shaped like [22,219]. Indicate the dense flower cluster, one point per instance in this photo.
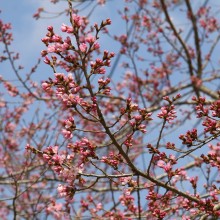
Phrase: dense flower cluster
[213,156]
[112,160]
[167,112]
[189,137]
[99,149]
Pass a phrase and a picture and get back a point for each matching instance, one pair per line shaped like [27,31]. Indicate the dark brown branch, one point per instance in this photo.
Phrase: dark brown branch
[196,38]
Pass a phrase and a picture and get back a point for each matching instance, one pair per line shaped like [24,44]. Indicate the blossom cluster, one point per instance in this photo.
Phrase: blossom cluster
[103,88]
[5,36]
[84,148]
[209,23]
[211,121]
[157,204]
[12,90]
[97,66]
[213,156]
[112,160]
[137,117]
[168,112]
[69,128]
[66,89]
[189,137]
[127,200]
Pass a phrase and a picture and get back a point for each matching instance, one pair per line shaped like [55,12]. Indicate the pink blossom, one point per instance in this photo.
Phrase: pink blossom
[90,39]
[77,20]
[55,209]
[62,190]
[56,38]
[142,128]
[46,86]
[47,60]
[100,70]
[167,113]
[101,2]
[161,163]
[64,28]
[96,46]
[83,47]
[67,134]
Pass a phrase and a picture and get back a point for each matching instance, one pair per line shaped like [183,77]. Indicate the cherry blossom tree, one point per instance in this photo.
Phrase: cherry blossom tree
[127,125]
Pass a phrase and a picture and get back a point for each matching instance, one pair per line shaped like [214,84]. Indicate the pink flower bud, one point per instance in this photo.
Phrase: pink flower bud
[83,47]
